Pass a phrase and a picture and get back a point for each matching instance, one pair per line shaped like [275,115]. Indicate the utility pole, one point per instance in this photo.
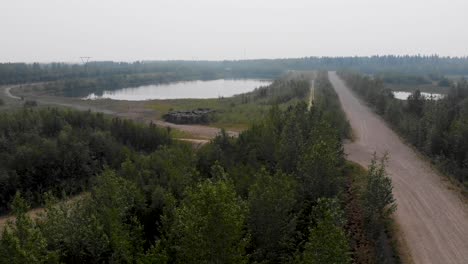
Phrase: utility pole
[85,61]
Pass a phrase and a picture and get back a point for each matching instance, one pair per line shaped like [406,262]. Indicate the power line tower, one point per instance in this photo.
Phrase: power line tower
[85,61]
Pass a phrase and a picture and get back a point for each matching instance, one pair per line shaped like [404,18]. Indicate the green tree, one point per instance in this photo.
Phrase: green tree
[416,103]
[271,219]
[327,240]
[291,143]
[22,241]
[378,199]
[208,226]
[320,165]
[100,226]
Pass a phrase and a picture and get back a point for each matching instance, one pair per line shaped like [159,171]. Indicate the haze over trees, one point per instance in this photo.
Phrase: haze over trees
[59,151]
[143,71]
[275,194]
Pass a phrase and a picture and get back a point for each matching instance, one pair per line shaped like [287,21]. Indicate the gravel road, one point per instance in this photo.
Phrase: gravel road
[433,219]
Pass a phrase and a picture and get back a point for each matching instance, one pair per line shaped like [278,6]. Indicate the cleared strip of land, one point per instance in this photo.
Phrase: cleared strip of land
[8,93]
[433,218]
[312,94]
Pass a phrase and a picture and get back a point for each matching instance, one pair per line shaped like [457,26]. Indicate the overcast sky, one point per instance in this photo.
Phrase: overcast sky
[64,30]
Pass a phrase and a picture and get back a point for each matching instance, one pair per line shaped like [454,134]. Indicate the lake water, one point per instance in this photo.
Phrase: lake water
[178,90]
[404,95]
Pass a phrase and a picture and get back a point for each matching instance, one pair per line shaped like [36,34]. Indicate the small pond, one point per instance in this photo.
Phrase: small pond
[404,95]
[178,90]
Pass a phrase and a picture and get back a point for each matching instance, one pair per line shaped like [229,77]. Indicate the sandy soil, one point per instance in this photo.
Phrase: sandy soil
[311,94]
[433,219]
[135,111]
[33,213]
[8,93]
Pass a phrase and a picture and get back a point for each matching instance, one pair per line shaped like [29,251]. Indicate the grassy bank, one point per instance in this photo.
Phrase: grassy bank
[240,111]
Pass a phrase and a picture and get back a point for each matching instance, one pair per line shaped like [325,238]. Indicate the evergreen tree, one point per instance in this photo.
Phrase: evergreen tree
[209,224]
[271,219]
[378,199]
[22,241]
[327,240]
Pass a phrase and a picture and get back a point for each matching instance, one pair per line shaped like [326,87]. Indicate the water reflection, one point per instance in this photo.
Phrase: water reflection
[178,90]
[430,96]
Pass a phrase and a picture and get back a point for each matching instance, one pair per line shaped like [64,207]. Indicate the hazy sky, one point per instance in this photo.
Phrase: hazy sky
[64,30]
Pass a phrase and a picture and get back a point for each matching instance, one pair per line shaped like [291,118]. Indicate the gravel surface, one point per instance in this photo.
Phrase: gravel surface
[433,219]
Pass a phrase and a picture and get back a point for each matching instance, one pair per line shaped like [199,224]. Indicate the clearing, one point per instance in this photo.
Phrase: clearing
[433,218]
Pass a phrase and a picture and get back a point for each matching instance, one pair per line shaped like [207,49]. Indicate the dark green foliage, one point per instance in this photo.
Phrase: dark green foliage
[2,102]
[321,164]
[281,91]
[327,240]
[109,73]
[416,103]
[326,98]
[80,87]
[23,241]
[272,195]
[59,151]
[208,226]
[444,82]
[271,221]
[378,201]
[98,228]
[401,78]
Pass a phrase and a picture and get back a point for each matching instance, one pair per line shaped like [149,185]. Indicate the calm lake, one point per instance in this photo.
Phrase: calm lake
[404,95]
[178,90]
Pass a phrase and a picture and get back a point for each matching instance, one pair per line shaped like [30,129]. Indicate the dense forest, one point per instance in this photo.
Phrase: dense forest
[59,151]
[438,128]
[276,194]
[262,68]
[184,70]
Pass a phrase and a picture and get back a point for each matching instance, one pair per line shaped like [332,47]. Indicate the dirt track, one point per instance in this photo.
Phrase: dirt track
[202,133]
[433,219]
[8,93]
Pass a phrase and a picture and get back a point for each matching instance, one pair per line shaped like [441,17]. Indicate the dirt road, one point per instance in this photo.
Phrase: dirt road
[8,93]
[311,94]
[202,133]
[433,218]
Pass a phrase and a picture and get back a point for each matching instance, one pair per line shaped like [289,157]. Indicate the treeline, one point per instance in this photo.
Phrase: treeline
[408,79]
[275,194]
[60,151]
[86,86]
[12,73]
[438,128]
[265,68]
[280,91]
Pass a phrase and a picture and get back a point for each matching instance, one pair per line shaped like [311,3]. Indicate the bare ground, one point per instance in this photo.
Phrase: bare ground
[433,219]
[311,94]
[33,213]
[124,109]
